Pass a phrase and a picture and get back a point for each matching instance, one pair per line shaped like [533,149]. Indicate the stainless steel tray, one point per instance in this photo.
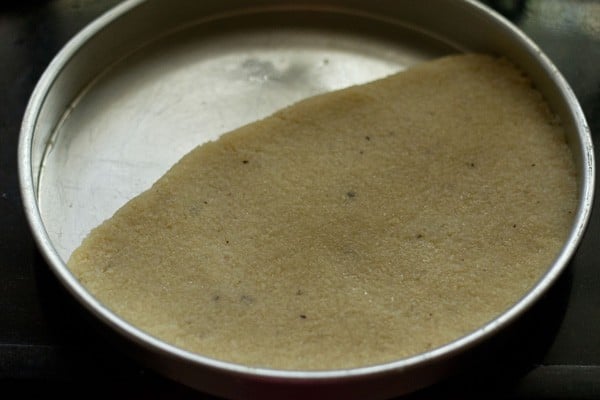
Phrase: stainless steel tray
[150,80]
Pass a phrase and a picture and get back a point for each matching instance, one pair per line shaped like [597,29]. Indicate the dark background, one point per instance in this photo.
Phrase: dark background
[48,346]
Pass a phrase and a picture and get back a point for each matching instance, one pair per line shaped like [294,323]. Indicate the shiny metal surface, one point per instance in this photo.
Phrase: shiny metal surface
[145,113]
[149,81]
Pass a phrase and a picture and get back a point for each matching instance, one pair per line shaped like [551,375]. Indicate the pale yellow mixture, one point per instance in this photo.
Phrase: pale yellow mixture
[352,228]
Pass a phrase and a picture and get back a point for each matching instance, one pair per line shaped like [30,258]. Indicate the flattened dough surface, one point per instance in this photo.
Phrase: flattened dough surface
[353,228]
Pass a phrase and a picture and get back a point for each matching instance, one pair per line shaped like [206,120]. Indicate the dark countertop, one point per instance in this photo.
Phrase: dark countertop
[47,346]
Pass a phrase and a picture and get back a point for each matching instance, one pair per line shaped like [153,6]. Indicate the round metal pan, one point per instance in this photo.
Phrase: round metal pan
[150,80]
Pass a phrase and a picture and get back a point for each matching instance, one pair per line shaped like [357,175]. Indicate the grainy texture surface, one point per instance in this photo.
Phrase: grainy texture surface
[352,228]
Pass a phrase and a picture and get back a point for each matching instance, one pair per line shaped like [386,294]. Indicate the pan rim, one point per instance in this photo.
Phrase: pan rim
[59,268]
